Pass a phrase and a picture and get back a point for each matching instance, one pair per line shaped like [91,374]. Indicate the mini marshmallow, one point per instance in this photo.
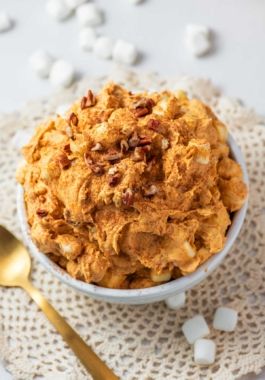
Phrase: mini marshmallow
[21,138]
[225,319]
[198,39]
[204,351]
[41,62]
[124,52]
[177,301]
[103,47]
[58,9]
[61,74]
[87,38]
[89,15]
[195,328]
[63,109]
[73,4]
[5,22]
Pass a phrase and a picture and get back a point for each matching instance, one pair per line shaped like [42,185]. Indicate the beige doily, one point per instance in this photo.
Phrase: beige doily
[141,342]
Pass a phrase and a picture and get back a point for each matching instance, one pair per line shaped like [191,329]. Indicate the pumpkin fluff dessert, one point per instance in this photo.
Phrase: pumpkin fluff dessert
[131,190]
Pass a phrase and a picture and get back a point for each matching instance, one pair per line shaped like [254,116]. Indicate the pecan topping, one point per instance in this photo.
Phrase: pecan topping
[154,125]
[41,213]
[115,179]
[96,147]
[124,146]
[88,101]
[128,197]
[113,155]
[139,112]
[67,148]
[144,140]
[152,190]
[73,119]
[97,168]
[134,140]
[88,159]
[139,153]
[143,107]
[64,161]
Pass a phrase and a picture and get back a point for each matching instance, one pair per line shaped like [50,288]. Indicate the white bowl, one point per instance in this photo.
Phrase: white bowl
[147,295]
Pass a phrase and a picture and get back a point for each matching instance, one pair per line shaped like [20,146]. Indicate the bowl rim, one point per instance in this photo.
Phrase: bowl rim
[172,287]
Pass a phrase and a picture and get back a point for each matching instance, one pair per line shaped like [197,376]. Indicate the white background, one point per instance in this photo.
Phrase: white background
[236,65]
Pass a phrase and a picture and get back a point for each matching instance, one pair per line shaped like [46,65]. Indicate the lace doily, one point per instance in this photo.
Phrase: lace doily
[141,342]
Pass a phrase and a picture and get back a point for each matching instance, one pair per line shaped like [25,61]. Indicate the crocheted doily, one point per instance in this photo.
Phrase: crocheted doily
[140,342]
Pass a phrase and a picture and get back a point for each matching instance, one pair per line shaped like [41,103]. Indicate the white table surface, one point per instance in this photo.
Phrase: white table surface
[237,64]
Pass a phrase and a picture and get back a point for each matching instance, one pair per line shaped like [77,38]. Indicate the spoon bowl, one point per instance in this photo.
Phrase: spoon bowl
[15,261]
[15,264]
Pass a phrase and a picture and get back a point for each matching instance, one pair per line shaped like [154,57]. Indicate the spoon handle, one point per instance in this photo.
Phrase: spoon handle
[94,365]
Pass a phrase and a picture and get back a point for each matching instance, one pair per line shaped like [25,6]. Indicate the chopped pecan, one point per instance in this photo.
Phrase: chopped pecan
[143,107]
[128,197]
[138,154]
[114,179]
[88,159]
[64,161]
[73,119]
[144,140]
[97,168]
[134,140]
[113,155]
[88,101]
[67,148]
[41,213]
[139,112]
[124,146]
[96,147]
[154,125]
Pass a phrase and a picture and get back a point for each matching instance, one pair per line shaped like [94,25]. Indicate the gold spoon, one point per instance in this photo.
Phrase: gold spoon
[15,267]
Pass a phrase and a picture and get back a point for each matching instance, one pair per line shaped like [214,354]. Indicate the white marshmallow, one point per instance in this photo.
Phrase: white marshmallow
[177,301]
[103,47]
[198,39]
[63,109]
[73,4]
[87,38]
[41,62]
[204,351]
[61,74]
[21,138]
[195,328]
[124,52]
[5,22]
[58,9]
[89,15]
[225,319]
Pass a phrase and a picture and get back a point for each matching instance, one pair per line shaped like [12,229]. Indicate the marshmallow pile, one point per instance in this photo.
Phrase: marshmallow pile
[89,16]
[196,329]
[60,73]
